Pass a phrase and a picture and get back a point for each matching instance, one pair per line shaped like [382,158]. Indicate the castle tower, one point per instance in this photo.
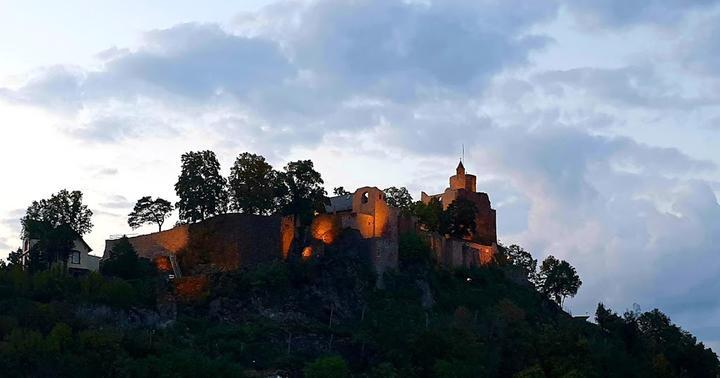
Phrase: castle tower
[461,180]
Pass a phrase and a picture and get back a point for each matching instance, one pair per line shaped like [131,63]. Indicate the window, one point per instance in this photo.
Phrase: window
[75,257]
[365,198]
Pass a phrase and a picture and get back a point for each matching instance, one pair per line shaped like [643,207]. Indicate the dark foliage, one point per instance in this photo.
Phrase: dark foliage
[458,220]
[399,198]
[201,188]
[340,191]
[148,210]
[124,262]
[65,208]
[254,186]
[324,317]
[520,259]
[305,193]
[429,215]
[557,279]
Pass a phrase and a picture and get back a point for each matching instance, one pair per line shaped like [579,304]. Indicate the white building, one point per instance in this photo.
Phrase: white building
[79,261]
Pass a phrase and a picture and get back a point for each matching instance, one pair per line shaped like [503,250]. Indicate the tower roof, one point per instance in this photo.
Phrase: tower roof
[460,167]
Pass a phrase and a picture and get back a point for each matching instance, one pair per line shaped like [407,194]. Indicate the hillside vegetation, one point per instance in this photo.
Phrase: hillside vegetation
[326,318]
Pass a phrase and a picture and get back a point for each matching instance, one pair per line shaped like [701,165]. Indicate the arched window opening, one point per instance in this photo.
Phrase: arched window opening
[365,197]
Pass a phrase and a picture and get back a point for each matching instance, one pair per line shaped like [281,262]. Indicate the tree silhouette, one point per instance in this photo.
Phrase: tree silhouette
[254,186]
[522,259]
[15,258]
[458,220]
[54,224]
[399,198]
[201,188]
[64,208]
[340,191]
[148,210]
[305,194]
[429,214]
[124,262]
[558,279]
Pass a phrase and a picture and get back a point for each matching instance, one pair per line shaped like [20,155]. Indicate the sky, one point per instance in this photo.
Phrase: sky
[593,125]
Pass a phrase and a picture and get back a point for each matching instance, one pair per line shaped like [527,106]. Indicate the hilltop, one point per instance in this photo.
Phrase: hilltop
[267,276]
[326,317]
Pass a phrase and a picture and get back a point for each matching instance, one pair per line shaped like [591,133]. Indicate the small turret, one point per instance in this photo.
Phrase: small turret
[460,170]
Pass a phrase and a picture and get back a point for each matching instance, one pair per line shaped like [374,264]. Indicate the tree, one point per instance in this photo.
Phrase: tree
[254,186]
[50,244]
[148,210]
[558,279]
[15,259]
[458,220]
[523,260]
[125,263]
[65,208]
[201,188]
[340,191]
[305,194]
[429,214]
[54,224]
[400,198]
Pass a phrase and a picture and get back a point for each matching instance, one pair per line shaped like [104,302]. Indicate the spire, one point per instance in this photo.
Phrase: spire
[460,168]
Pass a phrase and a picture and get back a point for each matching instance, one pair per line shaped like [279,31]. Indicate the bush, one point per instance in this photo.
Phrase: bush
[327,367]
[125,263]
[413,250]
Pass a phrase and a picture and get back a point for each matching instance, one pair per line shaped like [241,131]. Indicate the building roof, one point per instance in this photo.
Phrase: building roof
[339,203]
[32,233]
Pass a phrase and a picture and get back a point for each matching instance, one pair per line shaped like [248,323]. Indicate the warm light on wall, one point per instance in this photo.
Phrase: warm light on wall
[287,233]
[325,227]
[162,263]
[307,253]
[486,255]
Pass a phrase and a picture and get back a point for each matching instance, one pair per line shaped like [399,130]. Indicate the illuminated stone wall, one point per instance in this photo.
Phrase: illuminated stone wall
[375,221]
[224,242]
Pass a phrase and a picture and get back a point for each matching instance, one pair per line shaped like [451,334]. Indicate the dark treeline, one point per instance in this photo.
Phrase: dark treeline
[328,320]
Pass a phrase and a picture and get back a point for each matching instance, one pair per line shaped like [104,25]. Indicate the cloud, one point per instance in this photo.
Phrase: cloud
[107,172]
[621,13]
[379,45]
[700,50]
[305,70]
[647,234]
[631,86]
[117,201]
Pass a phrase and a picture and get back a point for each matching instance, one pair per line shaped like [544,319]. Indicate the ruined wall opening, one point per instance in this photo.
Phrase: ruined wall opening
[365,197]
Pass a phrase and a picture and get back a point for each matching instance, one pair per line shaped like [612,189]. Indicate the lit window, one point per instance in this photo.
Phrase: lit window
[75,257]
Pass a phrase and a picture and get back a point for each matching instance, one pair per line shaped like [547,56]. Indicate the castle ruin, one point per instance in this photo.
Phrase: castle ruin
[230,241]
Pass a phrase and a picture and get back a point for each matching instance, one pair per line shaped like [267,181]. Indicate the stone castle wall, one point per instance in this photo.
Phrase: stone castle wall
[224,242]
